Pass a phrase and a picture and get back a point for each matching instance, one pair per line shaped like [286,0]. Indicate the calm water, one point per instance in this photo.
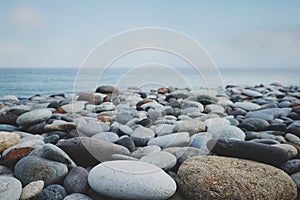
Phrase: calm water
[25,82]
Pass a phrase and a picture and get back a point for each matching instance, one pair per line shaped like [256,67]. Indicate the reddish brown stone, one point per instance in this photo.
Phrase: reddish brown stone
[163,90]
[14,155]
[296,109]
[60,110]
[105,119]
[140,103]
[107,99]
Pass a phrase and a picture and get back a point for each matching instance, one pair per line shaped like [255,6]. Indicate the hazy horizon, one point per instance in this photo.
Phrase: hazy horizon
[237,34]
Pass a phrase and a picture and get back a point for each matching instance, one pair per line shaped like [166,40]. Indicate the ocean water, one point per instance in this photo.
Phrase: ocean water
[26,82]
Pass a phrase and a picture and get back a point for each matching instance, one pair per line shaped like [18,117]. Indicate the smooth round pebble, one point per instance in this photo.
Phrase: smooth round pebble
[76,181]
[163,160]
[34,117]
[10,188]
[32,189]
[52,192]
[131,180]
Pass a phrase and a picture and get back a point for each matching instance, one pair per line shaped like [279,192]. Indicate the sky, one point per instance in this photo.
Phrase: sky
[236,34]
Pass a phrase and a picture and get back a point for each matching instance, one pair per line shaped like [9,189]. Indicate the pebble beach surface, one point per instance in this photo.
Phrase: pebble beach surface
[166,143]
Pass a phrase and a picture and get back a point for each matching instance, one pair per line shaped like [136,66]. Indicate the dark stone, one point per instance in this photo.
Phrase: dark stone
[91,98]
[249,150]
[247,127]
[61,134]
[107,89]
[294,128]
[128,143]
[170,96]
[293,116]
[53,139]
[291,166]
[53,104]
[259,124]
[146,122]
[77,181]
[52,192]
[37,128]
[98,150]
[58,95]
[277,126]
[9,119]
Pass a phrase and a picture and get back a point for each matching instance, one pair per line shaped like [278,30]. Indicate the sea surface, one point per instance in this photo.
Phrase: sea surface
[26,82]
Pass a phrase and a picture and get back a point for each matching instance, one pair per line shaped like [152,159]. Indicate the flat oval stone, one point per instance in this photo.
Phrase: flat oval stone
[191,126]
[53,192]
[215,177]
[30,142]
[172,140]
[7,140]
[259,124]
[129,179]
[249,150]
[32,189]
[77,196]
[162,159]
[184,153]
[8,128]
[89,152]
[226,132]
[32,168]
[34,117]
[76,181]
[106,136]
[10,188]
[249,106]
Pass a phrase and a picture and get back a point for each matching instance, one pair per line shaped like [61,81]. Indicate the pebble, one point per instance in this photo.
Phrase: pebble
[32,168]
[184,153]
[25,142]
[53,192]
[251,93]
[76,181]
[214,108]
[106,136]
[122,157]
[291,166]
[7,140]
[172,140]
[249,106]
[290,148]
[34,117]
[162,159]
[259,124]
[10,188]
[164,129]
[77,196]
[292,138]
[214,177]
[86,151]
[74,107]
[54,153]
[266,114]
[130,178]
[226,132]
[90,126]
[8,128]
[294,128]
[199,140]
[249,150]
[191,126]
[143,151]
[32,189]
[142,135]
[127,142]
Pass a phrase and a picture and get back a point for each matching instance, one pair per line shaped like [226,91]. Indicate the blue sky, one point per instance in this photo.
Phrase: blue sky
[245,34]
